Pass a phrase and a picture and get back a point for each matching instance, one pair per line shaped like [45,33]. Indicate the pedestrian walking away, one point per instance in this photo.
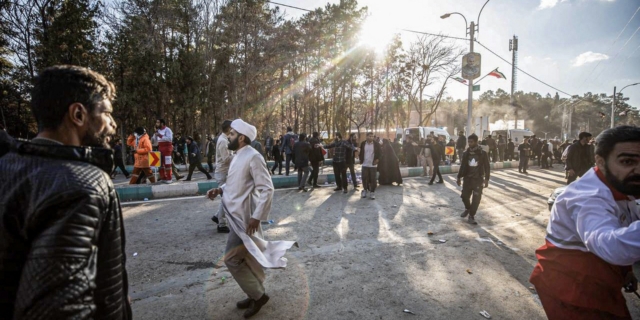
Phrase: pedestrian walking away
[301,151]
[165,146]
[339,161]
[525,150]
[316,157]
[370,153]
[277,158]
[62,252]
[223,161]
[141,145]
[437,150]
[475,171]
[461,144]
[210,152]
[389,165]
[592,236]
[288,141]
[246,199]
[195,159]
[351,160]
[117,157]
[579,157]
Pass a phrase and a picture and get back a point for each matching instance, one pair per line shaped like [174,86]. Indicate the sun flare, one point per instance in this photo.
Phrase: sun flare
[376,33]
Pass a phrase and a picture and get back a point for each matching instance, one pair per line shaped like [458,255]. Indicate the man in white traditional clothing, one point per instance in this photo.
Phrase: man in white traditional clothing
[248,186]
[223,160]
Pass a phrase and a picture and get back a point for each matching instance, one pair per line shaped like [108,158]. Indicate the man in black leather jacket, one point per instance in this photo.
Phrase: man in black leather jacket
[61,228]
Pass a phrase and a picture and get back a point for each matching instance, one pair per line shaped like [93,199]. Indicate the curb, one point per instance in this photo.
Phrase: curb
[159,191]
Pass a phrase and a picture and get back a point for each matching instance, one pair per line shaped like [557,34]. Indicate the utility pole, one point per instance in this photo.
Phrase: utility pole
[472,29]
[613,107]
[513,47]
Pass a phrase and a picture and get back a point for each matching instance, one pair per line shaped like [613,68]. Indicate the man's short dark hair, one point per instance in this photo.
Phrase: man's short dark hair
[369,134]
[58,87]
[289,129]
[302,137]
[162,122]
[190,138]
[339,135]
[316,134]
[606,141]
[473,136]
[583,135]
[226,125]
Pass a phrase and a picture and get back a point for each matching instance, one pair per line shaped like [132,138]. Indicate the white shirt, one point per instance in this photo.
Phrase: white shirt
[369,153]
[586,217]
[223,155]
[167,135]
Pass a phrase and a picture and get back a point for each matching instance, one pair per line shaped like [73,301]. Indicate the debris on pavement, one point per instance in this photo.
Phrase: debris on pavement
[532,289]
[485,314]
[517,214]
[442,241]
[469,271]
[430,233]
[146,199]
[394,206]
[135,254]
[408,311]
[223,279]
[268,222]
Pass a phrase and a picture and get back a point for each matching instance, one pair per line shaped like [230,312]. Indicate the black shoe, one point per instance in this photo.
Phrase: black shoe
[215,219]
[244,304]
[209,177]
[256,305]
[464,213]
[184,180]
[309,182]
[316,186]
[430,183]
[305,189]
[337,189]
[223,229]
[441,181]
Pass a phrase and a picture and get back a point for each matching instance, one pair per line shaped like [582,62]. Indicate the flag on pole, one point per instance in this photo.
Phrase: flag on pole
[463,81]
[497,74]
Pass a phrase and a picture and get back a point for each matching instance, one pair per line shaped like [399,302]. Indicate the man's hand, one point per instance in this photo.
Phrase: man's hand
[159,135]
[486,183]
[458,182]
[253,226]
[375,162]
[213,193]
[630,283]
[193,155]
[572,173]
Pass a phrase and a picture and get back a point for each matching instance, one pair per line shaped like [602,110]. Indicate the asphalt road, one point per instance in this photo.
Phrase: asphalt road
[358,258]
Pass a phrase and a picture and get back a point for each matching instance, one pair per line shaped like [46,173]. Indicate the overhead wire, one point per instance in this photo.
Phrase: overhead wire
[611,46]
[289,6]
[616,55]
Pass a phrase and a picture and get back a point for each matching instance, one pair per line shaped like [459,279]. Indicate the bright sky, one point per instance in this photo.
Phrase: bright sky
[560,41]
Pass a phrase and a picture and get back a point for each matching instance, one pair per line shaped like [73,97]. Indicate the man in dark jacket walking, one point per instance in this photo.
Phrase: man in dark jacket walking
[579,157]
[436,154]
[195,158]
[508,153]
[301,151]
[288,141]
[370,153]
[316,157]
[62,246]
[117,157]
[210,151]
[493,149]
[475,170]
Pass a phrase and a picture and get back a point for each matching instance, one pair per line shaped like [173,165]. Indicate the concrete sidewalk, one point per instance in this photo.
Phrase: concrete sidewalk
[185,189]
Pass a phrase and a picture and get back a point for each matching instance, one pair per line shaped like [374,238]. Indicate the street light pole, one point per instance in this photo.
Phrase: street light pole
[472,29]
[613,103]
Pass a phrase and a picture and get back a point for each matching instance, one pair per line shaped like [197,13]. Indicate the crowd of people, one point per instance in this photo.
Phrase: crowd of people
[62,252]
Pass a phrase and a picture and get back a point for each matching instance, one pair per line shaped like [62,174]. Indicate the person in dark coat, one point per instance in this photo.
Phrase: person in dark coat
[370,152]
[461,144]
[316,158]
[195,158]
[475,171]
[389,166]
[301,151]
[437,150]
[351,159]
[117,157]
[277,157]
[410,155]
[508,153]
[579,157]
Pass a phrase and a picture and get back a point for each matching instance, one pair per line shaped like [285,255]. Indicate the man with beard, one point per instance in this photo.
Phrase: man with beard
[165,146]
[592,236]
[62,235]
[475,169]
[579,157]
[246,198]
[223,160]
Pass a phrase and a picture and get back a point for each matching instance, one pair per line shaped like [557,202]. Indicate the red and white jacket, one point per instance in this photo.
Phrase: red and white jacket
[593,238]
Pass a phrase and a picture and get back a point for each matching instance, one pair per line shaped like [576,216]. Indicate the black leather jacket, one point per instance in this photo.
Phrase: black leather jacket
[61,234]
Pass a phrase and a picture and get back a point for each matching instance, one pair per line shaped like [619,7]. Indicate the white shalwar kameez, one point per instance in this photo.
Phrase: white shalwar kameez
[248,194]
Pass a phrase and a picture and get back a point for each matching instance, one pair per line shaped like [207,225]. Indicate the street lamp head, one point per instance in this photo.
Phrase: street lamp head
[446,15]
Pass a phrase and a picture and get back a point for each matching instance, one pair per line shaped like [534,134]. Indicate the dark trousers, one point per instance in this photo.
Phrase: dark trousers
[352,170]
[493,154]
[288,163]
[340,172]
[544,161]
[501,153]
[472,194]
[436,170]
[315,170]
[210,162]
[303,174]
[370,178]
[571,178]
[508,155]
[196,164]
[277,164]
[412,160]
[120,164]
[524,163]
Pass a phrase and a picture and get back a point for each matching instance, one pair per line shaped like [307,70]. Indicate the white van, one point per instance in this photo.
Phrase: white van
[438,132]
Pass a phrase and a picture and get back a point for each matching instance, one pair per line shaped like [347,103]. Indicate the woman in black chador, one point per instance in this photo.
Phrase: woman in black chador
[389,167]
